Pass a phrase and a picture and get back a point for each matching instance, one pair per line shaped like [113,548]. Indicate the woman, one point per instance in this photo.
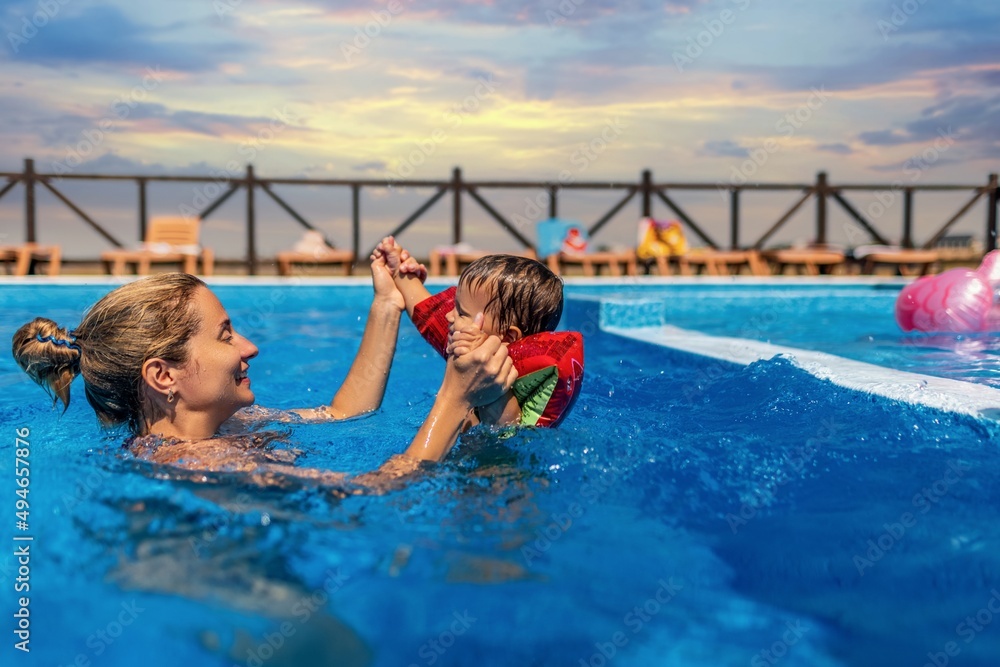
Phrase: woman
[161,357]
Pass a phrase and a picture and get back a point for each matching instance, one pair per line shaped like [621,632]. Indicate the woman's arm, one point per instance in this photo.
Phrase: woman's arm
[364,386]
[477,378]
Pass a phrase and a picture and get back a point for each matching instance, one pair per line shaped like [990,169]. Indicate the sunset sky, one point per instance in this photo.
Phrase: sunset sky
[696,90]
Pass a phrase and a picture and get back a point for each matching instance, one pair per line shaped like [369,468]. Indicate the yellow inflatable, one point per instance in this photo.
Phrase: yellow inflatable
[658,238]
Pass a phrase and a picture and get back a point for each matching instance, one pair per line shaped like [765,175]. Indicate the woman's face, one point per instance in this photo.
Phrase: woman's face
[214,380]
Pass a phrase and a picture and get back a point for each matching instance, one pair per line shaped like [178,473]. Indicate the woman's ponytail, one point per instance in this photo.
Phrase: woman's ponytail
[50,355]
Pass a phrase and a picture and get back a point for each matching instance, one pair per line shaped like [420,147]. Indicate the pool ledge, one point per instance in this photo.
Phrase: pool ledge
[941,393]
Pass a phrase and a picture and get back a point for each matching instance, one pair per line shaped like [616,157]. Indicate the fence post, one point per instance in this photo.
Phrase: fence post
[251,222]
[456,185]
[142,209]
[553,202]
[821,192]
[908,218]
[29,200]
[647,193]
[355,220]
[991,215]
[734,218]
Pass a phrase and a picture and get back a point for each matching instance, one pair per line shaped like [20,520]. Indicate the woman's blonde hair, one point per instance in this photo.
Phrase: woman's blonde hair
[149,318]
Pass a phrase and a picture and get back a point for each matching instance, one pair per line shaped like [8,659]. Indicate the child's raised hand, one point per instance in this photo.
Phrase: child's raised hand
[393,253]
[411,267]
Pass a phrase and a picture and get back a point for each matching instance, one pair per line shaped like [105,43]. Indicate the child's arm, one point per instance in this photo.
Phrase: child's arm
[408,274]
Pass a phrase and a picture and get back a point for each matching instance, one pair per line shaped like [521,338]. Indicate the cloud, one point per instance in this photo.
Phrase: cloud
[884,138]
[975,120]
[199,122]
[723,148]
[113,163]
[518,12]
[838,148]
[368,167]
[103,34]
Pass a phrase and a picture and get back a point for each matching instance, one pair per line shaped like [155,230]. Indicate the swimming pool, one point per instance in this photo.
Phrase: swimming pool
[692,510]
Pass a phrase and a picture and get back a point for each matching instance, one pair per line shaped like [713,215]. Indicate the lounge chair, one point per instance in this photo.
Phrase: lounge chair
[450,260]
[714,262]
[312,249]
[564,242]
[810,260]
[24,258]
[169,240]
[905,261]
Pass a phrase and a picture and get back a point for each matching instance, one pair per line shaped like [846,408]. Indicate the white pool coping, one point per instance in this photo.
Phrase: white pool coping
[969,398]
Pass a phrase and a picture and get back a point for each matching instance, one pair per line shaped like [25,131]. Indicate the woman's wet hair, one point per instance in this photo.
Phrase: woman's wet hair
[146,319]
[526,294]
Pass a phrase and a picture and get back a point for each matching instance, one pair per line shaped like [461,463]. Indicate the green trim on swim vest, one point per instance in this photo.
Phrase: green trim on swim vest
[533,392]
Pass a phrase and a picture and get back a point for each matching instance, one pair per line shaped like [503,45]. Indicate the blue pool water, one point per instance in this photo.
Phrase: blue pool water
[686,513]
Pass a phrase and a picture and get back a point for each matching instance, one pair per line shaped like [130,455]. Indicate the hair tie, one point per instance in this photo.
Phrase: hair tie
[58,341]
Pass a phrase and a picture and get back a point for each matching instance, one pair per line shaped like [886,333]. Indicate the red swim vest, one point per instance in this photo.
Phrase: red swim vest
[549,364]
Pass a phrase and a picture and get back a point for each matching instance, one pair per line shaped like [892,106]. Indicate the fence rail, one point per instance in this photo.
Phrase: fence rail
[647,190]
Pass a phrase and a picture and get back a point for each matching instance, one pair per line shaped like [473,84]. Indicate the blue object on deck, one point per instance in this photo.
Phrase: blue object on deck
[552,232]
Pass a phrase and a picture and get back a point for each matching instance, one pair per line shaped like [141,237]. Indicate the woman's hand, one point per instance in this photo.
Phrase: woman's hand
[464,340]
[385,287]
[479,376]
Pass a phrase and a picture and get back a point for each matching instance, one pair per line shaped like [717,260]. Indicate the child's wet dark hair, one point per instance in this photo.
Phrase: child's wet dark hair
[526,294]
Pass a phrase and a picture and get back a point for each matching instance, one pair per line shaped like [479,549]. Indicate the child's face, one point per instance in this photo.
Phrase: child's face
[469,302]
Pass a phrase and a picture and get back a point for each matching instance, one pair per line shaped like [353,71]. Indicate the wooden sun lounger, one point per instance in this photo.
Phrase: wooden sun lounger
[172,233]
[289,259]
[24,258]
[592,262]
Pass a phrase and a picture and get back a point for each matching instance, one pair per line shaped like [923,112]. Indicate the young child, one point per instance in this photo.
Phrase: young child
[514,298]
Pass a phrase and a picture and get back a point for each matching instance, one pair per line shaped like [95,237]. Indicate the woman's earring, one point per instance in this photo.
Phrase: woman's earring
[170,396]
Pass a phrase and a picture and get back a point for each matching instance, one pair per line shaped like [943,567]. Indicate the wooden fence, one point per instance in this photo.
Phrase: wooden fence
[648,191]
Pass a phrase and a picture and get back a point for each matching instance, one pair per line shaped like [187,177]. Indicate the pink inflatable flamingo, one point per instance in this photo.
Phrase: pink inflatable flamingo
[954,301]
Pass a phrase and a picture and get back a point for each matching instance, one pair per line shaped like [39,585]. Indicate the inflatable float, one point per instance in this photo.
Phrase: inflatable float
[549,364]
[660,238]
[953,301]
